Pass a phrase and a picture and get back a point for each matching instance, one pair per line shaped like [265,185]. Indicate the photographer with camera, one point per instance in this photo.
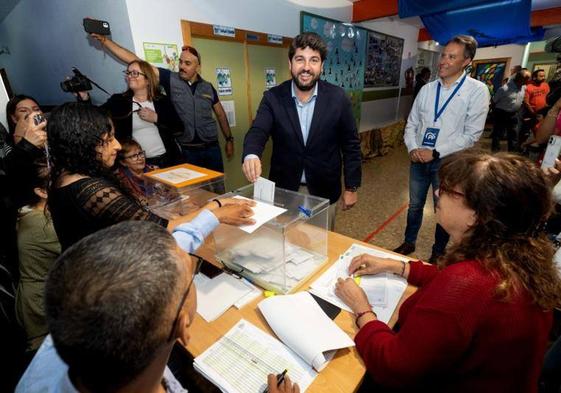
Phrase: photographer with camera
[20,146]
[195,100]
[140,113]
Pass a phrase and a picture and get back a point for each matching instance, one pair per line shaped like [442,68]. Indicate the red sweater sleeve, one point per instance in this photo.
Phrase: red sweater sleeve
[421,274]
[438,330]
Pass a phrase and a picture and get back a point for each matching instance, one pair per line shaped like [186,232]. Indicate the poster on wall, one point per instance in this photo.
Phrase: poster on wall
[162,55]
[383,60]
[230,109]
[344,64]
[270,78]
[224,81]
[490,72]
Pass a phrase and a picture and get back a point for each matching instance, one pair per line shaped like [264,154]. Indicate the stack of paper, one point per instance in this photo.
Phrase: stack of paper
[301,324]
[216,295]
[241,360]
[383,290]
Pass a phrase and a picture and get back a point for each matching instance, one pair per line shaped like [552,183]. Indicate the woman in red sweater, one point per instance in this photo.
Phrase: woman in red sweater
[480,320]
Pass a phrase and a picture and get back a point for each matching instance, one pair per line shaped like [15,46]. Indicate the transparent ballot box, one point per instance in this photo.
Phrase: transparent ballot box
[180,189]
[283,252]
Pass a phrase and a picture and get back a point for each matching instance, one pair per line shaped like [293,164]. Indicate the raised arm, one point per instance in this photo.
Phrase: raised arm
[125,55]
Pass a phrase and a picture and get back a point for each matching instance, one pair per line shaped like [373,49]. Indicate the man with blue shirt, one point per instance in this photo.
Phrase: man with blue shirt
[448,115]
[117,301]
[313,130]
[507,101]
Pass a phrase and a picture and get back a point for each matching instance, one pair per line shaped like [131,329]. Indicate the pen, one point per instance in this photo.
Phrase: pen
[280,378]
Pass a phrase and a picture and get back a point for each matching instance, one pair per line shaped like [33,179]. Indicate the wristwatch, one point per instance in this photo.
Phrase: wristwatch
[229,138]
[435,154]
[351,189]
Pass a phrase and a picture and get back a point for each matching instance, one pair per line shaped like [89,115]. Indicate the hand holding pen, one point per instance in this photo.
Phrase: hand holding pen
[281,383]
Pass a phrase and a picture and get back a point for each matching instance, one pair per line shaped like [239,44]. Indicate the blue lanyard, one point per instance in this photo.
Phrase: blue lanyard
[438,113]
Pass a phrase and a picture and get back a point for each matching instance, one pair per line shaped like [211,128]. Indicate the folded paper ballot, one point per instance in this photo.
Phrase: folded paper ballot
[309,331]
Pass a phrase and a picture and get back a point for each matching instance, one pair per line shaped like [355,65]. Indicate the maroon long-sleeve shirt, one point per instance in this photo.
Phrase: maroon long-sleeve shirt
[456,336]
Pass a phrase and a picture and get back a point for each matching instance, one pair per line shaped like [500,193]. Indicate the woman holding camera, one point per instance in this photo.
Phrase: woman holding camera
[84,194]
[480,320]
[145,115]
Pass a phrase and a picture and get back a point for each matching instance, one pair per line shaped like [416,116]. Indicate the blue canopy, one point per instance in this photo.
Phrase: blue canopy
[407,8]
[491,23]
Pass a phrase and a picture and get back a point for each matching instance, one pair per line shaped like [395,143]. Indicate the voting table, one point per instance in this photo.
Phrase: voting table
[343,374]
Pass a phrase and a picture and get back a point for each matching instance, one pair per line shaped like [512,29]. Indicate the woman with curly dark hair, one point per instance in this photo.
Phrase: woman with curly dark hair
[480,320]
[84,194]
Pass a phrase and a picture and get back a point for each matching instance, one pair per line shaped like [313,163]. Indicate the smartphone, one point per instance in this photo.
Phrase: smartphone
[552,151]
[100,27]
[210,270]
[38,119]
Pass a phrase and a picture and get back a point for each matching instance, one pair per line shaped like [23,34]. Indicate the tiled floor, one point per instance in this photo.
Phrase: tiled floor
[385,193]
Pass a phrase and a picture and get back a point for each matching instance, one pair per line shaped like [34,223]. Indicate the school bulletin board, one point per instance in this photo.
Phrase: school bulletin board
[346,48]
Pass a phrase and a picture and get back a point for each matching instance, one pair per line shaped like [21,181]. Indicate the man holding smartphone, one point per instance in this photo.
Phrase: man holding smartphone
[194,100]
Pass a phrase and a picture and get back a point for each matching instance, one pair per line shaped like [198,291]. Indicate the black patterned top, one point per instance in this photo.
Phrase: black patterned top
[91,204]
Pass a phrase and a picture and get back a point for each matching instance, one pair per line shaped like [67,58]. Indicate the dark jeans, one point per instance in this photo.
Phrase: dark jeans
[505,121]
[162,161]
[421,177]
[208,157]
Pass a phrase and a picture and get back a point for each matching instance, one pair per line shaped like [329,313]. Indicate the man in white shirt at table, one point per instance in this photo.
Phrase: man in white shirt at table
[448,115]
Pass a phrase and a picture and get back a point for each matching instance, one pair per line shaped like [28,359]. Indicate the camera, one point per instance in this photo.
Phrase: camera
[39,118]
[79,82]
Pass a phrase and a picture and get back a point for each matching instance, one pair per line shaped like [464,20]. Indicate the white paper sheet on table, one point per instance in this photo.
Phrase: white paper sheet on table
[254,294]
[303,326]
[178,175]
[264,190]
[216,295]
[324,286]
[263,212]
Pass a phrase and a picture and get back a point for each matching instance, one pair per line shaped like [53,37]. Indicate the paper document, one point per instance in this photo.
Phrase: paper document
[263,212]
[264,190]
[383,290]
[178,175]
[241,360]
[301,324]
[216,295]
[254,294]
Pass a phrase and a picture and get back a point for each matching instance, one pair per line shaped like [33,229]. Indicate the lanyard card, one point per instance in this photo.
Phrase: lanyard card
[552,151]
[431,134]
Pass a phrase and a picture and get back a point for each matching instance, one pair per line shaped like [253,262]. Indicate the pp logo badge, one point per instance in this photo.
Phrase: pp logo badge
[431,135]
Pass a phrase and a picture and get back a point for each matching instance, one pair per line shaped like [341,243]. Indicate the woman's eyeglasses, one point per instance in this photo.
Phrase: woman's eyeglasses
[198,263]
[136,156]
[133,74]
[445,190]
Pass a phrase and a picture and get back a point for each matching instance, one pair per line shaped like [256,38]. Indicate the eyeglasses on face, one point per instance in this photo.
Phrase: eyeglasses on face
[446,190]
[198,263]
[133,73]
[136,156]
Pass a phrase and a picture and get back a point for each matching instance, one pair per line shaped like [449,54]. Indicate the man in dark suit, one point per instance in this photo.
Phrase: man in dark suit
[313,131]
